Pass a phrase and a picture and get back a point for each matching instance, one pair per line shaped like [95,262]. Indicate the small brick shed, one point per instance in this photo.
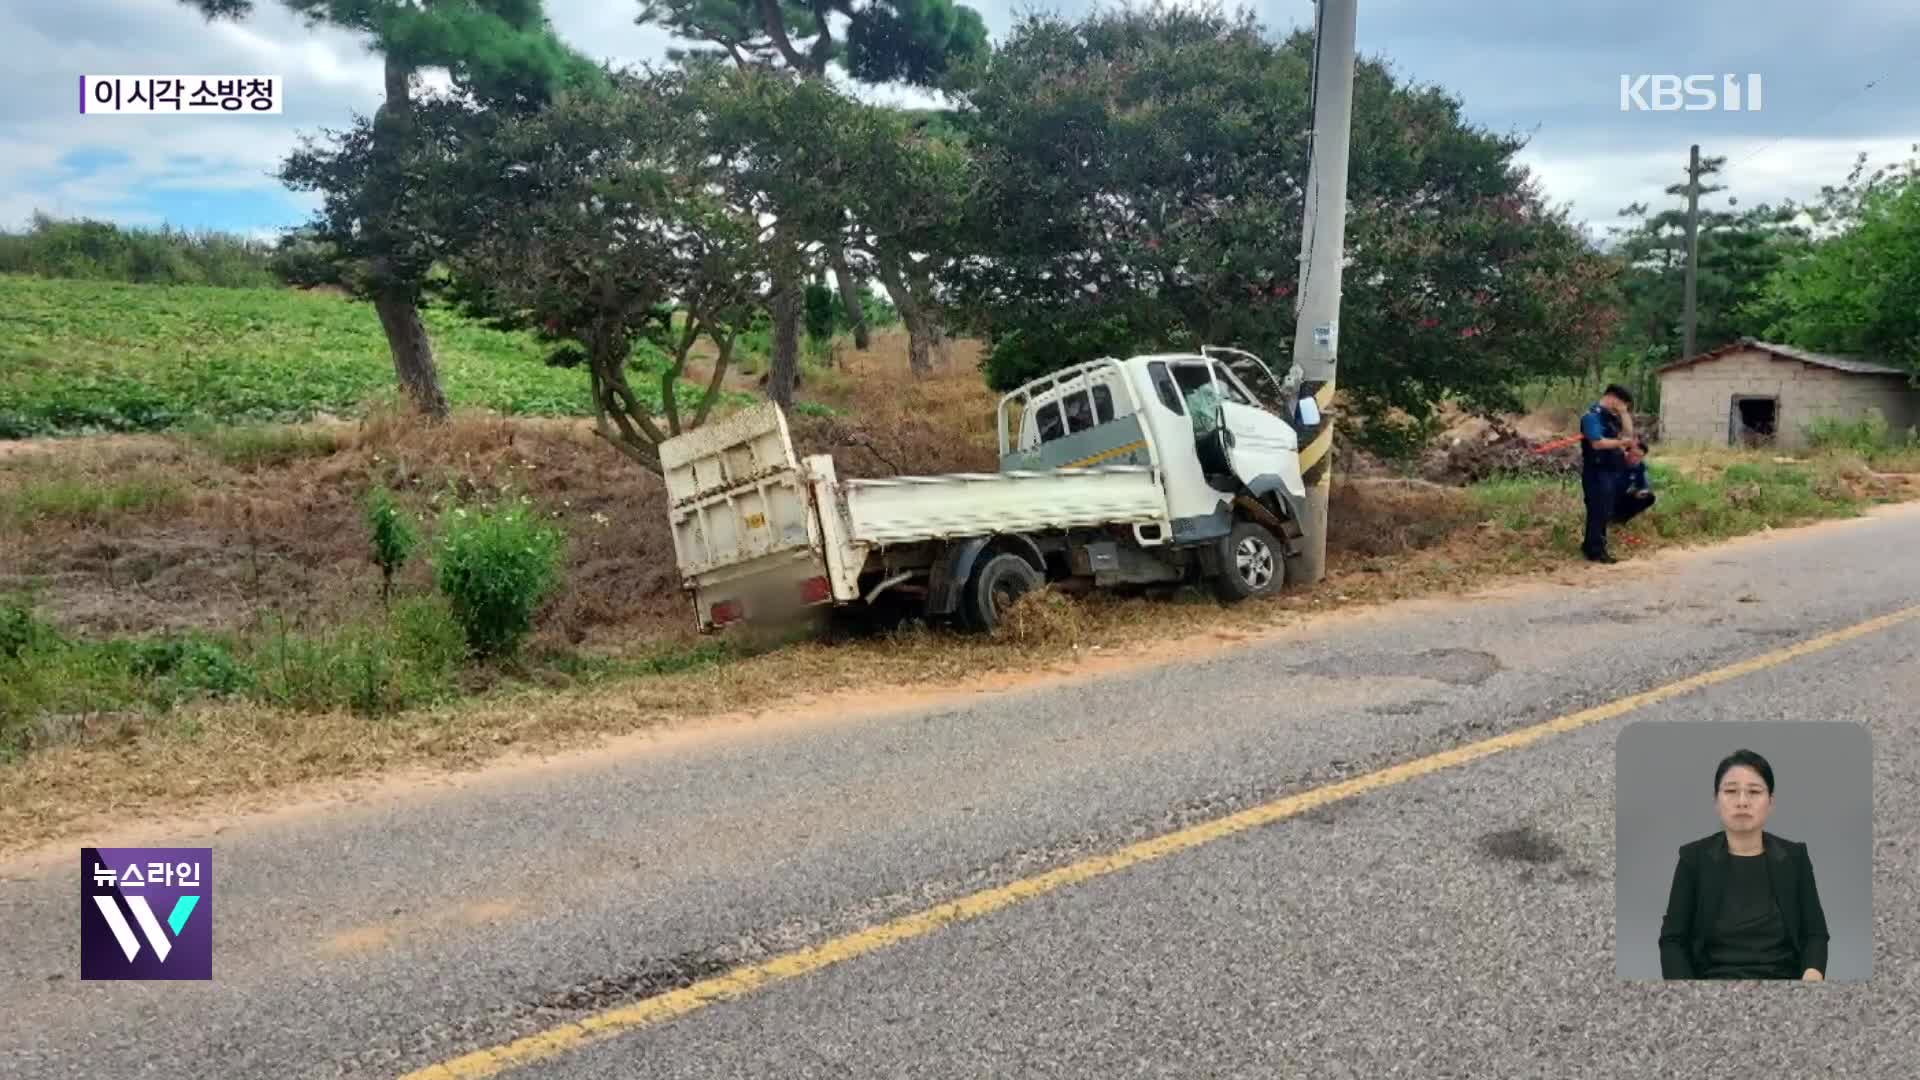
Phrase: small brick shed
[1753,392]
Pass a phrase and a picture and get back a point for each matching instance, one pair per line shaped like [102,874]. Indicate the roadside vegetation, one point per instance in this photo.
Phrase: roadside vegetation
[104,251]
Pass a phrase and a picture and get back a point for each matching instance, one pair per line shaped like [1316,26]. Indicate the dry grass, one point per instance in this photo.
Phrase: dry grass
[257,524]
[888,423]
[1045,618]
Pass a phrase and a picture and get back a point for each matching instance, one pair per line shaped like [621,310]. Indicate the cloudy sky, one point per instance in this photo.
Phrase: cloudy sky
[1547,70]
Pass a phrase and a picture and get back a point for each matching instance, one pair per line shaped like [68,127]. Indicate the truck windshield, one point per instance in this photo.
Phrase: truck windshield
[1228,388]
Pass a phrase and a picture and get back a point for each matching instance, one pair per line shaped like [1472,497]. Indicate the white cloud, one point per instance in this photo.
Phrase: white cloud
[1598,182]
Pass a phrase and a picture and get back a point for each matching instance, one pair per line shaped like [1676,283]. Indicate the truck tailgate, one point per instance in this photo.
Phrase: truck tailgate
[745,535]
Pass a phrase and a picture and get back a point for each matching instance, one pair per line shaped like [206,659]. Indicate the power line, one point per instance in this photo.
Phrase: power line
[1313,137]
[1871,83]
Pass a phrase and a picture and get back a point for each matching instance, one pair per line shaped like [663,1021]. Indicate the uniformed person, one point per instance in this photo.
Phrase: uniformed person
[1606,437]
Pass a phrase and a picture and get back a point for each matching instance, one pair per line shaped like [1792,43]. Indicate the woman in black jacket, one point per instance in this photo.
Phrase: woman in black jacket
[1743,903]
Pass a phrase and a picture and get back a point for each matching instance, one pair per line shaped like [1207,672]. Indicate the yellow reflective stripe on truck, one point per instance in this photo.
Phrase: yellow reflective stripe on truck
[1107,455]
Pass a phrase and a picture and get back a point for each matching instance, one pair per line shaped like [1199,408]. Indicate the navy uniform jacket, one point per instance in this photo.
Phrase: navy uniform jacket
[1600,424]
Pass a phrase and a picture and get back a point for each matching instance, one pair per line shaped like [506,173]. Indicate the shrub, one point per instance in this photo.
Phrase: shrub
[1394,437]
[1870,437]
[179,668]
[394,538]
[105,251]
[20,631]
[373,667]
[303,261]
[427,637]
[496,566]
[819,311]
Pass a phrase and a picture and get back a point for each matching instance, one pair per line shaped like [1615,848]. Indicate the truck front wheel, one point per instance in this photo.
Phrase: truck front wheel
[1250,564]
[995,588]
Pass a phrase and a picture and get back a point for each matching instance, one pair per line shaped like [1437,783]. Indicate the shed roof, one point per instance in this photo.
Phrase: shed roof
[1848,364]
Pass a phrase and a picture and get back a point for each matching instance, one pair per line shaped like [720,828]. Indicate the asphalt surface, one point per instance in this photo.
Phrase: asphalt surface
[1456,924]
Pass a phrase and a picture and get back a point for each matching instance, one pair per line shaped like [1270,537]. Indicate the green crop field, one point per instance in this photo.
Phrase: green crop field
[80,356]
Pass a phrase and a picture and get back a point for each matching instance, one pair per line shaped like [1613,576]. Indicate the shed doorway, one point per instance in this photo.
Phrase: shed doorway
[1754,420]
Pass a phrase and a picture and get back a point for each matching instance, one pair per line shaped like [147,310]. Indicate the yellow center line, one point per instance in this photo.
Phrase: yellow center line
[735,984]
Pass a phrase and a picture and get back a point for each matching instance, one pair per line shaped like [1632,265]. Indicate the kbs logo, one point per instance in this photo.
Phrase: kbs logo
[1688,93]
[146,913]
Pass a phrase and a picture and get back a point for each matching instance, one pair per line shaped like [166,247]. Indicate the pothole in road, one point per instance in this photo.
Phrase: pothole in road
[1535,851]
[1524,844]
[1404,708]
[650,979]
[1575,618]
[1455,667]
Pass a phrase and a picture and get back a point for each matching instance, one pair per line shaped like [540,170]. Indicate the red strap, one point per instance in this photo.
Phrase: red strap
[1556,444]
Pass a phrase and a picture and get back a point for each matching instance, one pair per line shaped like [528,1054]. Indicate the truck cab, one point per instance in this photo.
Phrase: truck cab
[1189,415]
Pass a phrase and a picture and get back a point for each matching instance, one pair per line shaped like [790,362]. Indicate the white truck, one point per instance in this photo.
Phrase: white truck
[1162,468]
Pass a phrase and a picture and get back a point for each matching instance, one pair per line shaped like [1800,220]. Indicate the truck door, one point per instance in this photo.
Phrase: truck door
[1263,448]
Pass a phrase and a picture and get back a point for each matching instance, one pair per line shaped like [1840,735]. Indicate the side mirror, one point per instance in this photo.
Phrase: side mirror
[1309,410]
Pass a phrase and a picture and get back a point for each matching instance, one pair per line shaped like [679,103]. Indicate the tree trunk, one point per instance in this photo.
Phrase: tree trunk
[850,297]
[412,352]
[784,367]
[393,299]
[937,330]
[920,332]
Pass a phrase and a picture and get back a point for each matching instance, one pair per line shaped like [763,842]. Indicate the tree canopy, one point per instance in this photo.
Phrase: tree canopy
[1858,290]
[602,222]
[1739,249]
[1143,187]
[883,41]
[377,220]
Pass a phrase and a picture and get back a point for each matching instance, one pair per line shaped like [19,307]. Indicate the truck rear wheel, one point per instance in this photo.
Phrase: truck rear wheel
[1250,564]
[995,588]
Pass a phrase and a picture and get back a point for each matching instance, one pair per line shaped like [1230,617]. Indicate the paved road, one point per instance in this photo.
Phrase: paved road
[1455,923]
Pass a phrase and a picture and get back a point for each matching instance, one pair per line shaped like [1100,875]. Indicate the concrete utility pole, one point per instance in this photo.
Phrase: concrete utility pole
[1316,338]
[1690,318]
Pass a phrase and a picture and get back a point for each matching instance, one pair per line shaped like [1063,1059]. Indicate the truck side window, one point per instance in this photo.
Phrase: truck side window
[1048,416]
[1079,411]
[1102,403]
[1163,385]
